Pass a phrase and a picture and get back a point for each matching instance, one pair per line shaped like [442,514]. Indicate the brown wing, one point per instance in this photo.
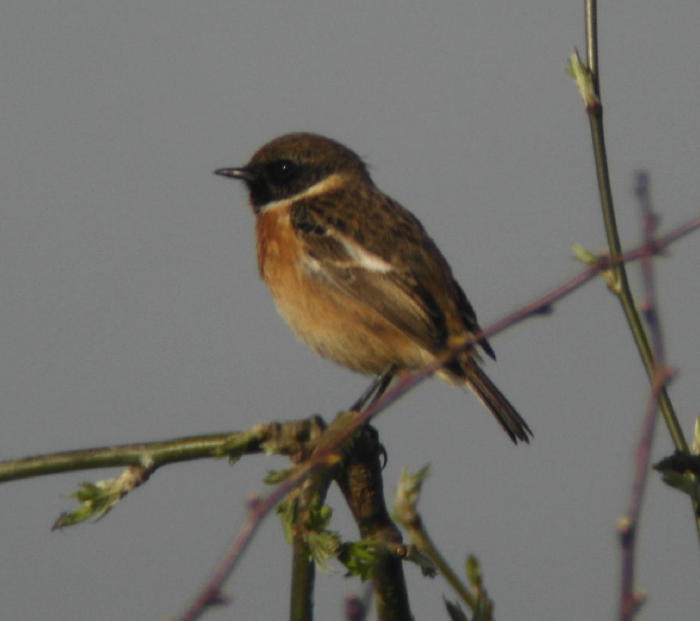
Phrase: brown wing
[387,261]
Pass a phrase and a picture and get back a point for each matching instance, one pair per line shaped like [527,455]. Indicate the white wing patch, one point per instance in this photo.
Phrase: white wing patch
[311,264]
[364,259]
[358,257]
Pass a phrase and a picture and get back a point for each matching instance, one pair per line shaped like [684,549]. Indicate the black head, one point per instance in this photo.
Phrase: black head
[290,164]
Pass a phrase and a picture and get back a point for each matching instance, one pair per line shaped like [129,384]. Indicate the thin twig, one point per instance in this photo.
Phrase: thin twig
[212,593]
[650,302]
[631,600]
[628,526]
[624,293]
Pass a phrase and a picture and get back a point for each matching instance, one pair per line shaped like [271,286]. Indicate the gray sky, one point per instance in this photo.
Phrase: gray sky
[131,308]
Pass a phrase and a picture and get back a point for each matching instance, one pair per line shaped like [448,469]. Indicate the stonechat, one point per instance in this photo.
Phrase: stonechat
[355,275]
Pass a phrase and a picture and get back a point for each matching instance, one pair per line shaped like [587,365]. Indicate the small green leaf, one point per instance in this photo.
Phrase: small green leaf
[408,493]
[319,516]
[97,499]
[681,471]
[288,512]
[360,558]
[587,257]
[584,80]
[584,255]
[275,477]
[323,546]
[426,565]
[474,572]
[686,483]
[484,609]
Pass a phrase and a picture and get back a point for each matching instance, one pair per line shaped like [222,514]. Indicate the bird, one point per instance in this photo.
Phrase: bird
[356,276]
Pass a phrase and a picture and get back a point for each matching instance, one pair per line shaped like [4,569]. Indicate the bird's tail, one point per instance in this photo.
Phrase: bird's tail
[487,392]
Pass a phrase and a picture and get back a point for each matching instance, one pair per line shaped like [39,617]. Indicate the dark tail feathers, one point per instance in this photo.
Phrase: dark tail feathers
[482,386]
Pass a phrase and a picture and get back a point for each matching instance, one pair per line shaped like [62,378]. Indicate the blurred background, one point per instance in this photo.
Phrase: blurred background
[131,310]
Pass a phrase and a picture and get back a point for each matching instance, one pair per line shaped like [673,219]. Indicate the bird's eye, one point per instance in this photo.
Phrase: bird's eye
[282,171]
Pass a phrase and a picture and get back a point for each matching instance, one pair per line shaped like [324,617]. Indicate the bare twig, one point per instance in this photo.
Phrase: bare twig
[212,593]
[630,600]
[650,304]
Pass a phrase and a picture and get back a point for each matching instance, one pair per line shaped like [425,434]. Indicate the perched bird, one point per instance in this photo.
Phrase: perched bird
[355,275]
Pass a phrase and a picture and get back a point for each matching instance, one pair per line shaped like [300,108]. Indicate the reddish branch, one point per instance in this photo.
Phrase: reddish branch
[631,600]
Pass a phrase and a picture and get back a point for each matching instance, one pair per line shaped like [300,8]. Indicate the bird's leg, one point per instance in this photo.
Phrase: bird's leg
[375,390]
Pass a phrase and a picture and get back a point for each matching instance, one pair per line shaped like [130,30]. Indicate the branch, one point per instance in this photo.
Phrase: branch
[284,438]
[360,480]
[325,455]
[631,600]
[142,460]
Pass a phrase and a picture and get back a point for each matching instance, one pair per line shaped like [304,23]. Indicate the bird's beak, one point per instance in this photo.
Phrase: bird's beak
[235,173]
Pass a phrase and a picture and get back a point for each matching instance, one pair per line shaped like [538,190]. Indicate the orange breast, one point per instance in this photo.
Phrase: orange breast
[329,321]
[278,247]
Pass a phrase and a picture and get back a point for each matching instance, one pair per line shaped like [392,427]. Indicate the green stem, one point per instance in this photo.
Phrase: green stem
[623,291]
[144,454]
[424,543]
[311,494]
[283,438]
[303,578]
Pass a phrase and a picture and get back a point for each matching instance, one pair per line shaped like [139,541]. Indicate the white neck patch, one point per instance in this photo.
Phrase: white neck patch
[329,183]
